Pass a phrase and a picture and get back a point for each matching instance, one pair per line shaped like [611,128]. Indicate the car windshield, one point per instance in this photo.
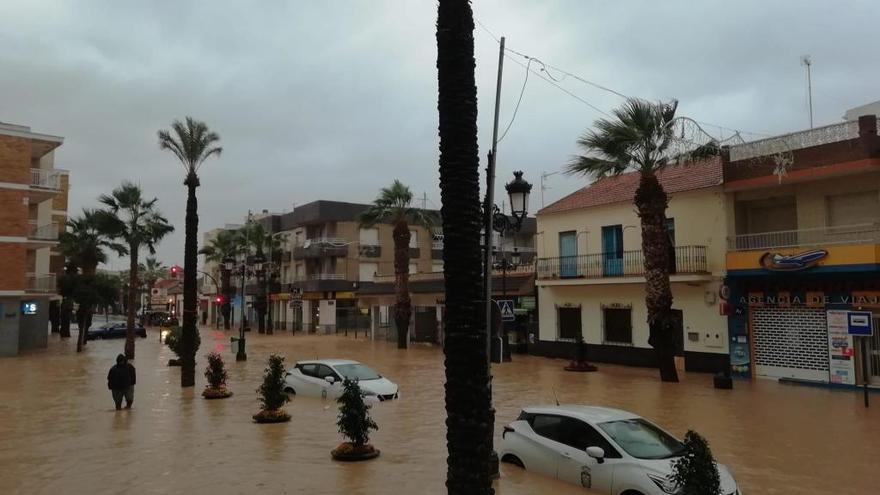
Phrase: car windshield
[357,371]
[643,440]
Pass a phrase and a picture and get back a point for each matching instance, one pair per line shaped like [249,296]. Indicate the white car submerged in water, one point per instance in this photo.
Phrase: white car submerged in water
[323,378]
[606,450]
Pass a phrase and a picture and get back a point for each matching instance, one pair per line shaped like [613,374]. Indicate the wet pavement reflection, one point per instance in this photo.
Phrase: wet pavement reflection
[60,434]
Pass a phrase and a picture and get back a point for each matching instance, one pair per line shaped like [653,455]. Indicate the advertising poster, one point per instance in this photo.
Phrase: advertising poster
[840,349]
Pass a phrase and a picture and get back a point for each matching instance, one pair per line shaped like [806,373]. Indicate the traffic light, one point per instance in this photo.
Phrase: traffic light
[218,299]
[175,270]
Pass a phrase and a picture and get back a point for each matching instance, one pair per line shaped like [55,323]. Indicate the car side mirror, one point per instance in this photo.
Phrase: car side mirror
[597,453]
[330,379]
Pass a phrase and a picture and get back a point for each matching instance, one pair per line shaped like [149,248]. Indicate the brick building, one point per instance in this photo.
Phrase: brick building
[33,204]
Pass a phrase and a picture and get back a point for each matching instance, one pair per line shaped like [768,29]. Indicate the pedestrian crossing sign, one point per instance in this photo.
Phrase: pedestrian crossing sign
[506,308]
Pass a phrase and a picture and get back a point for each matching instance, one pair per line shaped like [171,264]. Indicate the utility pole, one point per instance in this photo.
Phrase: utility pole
[487,251]
[807,62]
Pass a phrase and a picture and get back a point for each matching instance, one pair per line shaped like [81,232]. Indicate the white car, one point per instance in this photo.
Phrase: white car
[323,378]
[606,450]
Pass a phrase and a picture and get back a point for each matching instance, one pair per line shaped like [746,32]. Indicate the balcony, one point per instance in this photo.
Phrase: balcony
[43,233]
[867,233]
[321,247]
[42,284]
[369,251]
[323,282]
[689,260]
[44,184]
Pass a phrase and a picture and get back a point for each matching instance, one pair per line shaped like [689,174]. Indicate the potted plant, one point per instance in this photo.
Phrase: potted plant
[216,376]
[579,361]
[696,472]
[272,396]
[354,423]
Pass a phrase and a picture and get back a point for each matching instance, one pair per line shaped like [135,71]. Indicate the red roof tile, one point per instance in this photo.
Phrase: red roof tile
[621,188]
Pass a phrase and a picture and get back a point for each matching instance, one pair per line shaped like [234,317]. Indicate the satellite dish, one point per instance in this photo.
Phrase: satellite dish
[307,243]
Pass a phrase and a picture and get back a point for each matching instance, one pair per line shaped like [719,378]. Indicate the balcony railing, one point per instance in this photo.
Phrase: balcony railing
[688,260]
[40,283]
[795,140]
[821,236]
[321,246]
[48,232]
[45,178]
[319,276]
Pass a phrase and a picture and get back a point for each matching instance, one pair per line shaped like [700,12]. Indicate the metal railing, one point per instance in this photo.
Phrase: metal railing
[46,178]
[318,276]
[330,241]
[795,140]
[48,232]
[688,259]
[40,283]
[819,236]
[437,245]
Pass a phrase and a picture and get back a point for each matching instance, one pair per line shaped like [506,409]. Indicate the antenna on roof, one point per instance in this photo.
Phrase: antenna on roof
[554,396]
[808,63]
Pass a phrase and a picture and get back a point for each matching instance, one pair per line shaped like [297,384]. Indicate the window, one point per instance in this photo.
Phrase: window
[414,238]
[618,325]
[437,266]
[547,426]
[308,369]
[324,371]
[569,321]
[369,237]
[642,439]
[413,268]
[580,435]
[367,271]
[612,250]
[568,254]
[853,209]
[357,372]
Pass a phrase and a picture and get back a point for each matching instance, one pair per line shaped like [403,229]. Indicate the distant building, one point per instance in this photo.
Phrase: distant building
[33,209]
[853,114]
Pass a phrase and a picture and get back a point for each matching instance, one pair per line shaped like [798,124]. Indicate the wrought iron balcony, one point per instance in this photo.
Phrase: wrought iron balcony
[688,260]
[866,233]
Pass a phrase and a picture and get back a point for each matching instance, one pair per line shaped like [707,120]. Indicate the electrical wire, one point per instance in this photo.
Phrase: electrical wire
[518,101]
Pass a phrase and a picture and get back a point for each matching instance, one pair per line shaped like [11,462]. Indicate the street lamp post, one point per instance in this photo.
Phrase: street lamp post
[243,270]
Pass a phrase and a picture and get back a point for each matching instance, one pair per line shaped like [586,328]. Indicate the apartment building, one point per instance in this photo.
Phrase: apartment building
[803,259]
[33,196]
[590,270]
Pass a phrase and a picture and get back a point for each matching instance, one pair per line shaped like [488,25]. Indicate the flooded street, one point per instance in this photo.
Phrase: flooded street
[60,434]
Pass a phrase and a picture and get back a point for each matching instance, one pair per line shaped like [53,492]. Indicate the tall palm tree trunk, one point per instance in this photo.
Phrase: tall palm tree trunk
[190,260]
[403,307]
[470,420]
[132,299]
[651,202]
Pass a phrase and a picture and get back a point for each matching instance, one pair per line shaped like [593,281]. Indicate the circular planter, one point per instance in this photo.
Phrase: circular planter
[216,393]
[174,362]
[580,367]
[347,452]
[274,416]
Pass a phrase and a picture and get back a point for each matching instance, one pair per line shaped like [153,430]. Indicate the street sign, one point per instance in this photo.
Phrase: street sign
[505,306]
[860,323]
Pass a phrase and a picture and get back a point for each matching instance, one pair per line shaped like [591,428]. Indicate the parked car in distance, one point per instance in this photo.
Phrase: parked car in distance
[323,378]
[606,450]
[114,330]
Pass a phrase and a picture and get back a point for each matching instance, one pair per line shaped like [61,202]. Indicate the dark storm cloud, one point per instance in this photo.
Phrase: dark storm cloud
[334,99]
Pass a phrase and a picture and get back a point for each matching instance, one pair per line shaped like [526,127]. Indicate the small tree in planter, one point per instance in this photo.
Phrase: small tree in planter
[172,340]
[355,424]
[696,472]
[579,360]
[272,396]
[216,375]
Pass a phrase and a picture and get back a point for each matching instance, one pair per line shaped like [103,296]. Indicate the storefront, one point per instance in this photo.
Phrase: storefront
[789,321]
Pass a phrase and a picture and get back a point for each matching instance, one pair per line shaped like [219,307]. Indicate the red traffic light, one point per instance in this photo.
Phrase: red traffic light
[218,299]
[175,270]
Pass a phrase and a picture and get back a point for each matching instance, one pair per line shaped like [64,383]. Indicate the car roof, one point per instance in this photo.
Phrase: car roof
[329,362]
[592,414]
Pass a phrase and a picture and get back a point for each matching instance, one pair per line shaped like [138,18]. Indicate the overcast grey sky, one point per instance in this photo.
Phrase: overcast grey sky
[334,99]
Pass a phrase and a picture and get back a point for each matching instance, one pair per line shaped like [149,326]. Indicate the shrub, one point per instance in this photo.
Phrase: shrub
[354,420]
[696,472]
[173,340]
[271,392]
[216,371]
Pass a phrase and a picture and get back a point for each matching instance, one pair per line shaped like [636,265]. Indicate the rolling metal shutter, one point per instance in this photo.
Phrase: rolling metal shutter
[791,343]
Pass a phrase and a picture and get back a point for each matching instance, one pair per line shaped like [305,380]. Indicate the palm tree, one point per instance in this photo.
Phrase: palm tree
[642,137]
[192,143]
[218,249]
[135,221]
[394,206]
[84,245]
[150,273]
[269,243]
[470,419]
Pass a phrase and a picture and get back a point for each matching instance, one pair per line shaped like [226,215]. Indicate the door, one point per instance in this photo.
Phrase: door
[308,380]
[612,250]
[576,467]
[542,455]
[568,254]
[874,355]
[328,390]
[790,343]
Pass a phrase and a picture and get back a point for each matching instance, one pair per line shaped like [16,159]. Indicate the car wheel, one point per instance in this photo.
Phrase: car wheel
[631,492]
[289,390]
[512,459]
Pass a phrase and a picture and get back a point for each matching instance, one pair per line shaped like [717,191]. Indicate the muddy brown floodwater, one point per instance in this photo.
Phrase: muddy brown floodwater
[59,433]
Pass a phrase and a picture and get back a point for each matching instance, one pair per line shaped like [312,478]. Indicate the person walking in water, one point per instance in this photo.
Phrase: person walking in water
[121,380]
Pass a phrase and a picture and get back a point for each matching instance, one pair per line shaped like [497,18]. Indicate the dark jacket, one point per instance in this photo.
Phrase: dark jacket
[121,376]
